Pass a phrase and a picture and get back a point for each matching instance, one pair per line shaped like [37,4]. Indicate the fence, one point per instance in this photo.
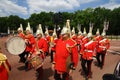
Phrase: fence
[114,37]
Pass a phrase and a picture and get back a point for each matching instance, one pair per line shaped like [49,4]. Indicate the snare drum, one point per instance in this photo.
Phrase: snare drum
[36,62]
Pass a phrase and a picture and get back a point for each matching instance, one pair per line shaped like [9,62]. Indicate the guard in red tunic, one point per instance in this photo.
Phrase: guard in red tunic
[4,67]
[88,52]
[65,48]
[47,37]
[42,44]
[21,34]
[42,48]
[103,46]
[30,45]
[53,43]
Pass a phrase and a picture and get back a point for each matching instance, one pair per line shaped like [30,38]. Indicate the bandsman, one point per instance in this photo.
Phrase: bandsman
[21,34]
[88,51]
[53,43]
[47,37]
[40,50]
[30,45]
[64,48]
[103,46]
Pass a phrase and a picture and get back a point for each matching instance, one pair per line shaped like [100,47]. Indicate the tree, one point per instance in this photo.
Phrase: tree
[97,16]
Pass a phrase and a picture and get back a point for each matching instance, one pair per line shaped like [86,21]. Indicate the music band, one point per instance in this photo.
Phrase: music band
[68,44]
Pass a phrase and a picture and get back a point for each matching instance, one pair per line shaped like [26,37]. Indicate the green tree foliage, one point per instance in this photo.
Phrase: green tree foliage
[3,24]
[42,18]
[96,16]
[114,27]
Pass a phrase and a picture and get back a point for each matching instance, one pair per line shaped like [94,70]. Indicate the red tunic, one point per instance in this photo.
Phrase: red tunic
[103,45]
[62,53]
[79,39]
[74,37]
[42,44]
[30,47]
[89,50]
[47,38]
[21,35]
[3,71]
[84,41]
[98,38]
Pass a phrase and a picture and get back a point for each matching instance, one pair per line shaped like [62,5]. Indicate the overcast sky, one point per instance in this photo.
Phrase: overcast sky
[24,8]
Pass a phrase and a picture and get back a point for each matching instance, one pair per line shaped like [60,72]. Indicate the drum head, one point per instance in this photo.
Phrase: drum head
[15,45]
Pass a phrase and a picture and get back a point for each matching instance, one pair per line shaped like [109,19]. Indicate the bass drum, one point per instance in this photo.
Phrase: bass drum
[15,45]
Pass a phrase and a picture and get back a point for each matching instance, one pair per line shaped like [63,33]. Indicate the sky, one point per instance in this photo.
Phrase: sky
[24,8]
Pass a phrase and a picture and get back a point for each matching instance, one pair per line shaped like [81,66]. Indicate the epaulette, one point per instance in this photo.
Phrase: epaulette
[2,57]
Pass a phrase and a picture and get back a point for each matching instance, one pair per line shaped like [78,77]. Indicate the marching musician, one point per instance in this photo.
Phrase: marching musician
[64,48]
[30,45]
[88,51]
[21,34]
[4,67]
[53,43]
[103,46]
[47,37]
[87,54]
[41,49]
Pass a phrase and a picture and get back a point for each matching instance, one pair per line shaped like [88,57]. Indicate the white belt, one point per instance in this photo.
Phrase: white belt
[102,47]
[88,50]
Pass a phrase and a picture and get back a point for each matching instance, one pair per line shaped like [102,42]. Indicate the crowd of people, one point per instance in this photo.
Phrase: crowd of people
[64,51]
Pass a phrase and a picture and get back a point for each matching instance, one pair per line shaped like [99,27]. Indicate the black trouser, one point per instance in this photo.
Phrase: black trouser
[58,76]
[27,63]
[40,73]
[100,59]
[23,56]
[47,53]
[86,69]
[51,55]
